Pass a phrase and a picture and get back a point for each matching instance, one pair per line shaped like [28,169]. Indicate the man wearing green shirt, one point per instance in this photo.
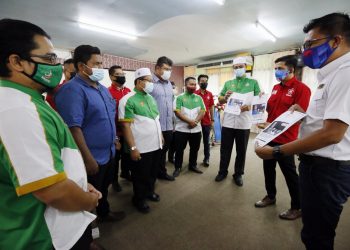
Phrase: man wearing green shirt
[189,112]
[139,115]
[43,185]
[236,128]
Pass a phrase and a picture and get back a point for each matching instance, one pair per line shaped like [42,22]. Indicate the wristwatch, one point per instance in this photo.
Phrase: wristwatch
[133,148]
[276,152]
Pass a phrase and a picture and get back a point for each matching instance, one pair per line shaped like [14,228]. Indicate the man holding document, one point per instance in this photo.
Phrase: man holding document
[288,92]
[237,93]
[324,144]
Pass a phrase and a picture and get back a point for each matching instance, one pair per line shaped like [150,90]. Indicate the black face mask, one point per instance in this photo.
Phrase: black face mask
[120,79]
[204,85]
[72,74]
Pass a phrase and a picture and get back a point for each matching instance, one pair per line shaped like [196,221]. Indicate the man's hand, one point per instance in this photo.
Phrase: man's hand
[91,166]
[296,107]
[192,124]
[135,155]
[245,108]
[118,146]
[264,153]
[263,125]
[92,189]
[212,124]
[228,94]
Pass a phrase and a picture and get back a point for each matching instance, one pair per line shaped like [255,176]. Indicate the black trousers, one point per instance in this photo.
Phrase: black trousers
[206,141]
[101,182]
[181,139]
[325,187]
[124,159]
[228,137]
[288,168]
[168,137]
[144,174]
[172,148]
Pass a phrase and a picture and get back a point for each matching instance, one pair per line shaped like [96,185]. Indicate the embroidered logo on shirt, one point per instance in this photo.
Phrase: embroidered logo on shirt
[290,92]
[196,100]
[274,92]
[142,104]
[247,84]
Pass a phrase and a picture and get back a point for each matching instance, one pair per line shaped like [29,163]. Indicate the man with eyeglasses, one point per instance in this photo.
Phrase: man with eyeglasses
[139,116]
[163,94]
[69,73]
[324,144]
[118,90]
[236,128]
[44,191]
[88,109]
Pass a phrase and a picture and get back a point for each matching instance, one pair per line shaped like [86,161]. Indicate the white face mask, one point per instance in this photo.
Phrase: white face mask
[97,74]
[166,75]
[148,87]
[240,72]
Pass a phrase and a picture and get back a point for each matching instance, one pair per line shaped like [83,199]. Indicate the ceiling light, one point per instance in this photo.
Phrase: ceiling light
[107,31]
[219,2]
[267,32]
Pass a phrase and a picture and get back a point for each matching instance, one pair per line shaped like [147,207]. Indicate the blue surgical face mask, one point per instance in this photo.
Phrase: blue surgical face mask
[240,72]
[281,74]
[316,57]
[148,87]
[97,74]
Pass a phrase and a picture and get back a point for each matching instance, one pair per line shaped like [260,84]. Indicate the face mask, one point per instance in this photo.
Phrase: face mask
[120,79]
[190,90]
[166,75]
[204,85]
[281,74]
[46,74]
[97,74]
[148,87]
[240,72]
[315,57]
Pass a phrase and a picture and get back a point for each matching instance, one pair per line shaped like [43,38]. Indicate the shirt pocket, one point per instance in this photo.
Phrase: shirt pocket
[320,101]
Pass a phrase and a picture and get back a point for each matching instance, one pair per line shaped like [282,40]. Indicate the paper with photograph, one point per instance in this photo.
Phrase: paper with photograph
[278,126]
[258,109]
[236,101]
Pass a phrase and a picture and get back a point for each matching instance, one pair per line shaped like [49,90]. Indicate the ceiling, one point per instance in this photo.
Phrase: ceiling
[187,31]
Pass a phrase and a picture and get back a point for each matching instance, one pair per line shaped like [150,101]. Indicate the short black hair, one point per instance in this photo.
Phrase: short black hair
[113,68]
[332,24]
[290,61]
[202,76]
[83,54]
[68,61]
[17,37]
[164,60]
[188,79]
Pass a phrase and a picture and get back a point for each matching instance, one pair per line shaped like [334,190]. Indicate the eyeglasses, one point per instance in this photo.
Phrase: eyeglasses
[308,44]
[50,57]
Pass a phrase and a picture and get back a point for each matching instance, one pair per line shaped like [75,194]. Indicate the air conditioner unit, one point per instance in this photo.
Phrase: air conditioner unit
[222,63]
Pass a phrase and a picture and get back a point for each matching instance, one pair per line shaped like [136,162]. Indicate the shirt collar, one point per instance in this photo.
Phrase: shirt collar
[82,80]
[332,66]
[156,79]
[289,83]
[139,91]
[32,92]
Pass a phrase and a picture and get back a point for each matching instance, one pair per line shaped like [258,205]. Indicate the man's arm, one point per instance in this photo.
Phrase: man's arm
[332,132]
[129,138]
[200,116]
[67,196]
[184,118]
[90,162]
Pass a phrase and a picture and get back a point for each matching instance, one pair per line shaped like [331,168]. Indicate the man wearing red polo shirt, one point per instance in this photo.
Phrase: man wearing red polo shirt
[288,92]
[208,119]
[118,90]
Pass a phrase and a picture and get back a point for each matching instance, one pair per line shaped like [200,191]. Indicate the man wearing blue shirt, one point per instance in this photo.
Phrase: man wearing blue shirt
[89,111]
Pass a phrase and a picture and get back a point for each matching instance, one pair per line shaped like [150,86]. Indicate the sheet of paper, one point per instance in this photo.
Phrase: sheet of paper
[258,109]
[236,100]
[278,126]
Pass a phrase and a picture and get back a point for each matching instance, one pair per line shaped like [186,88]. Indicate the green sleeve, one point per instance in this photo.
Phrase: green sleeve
[178,103]
[224,90]
[256,88]
[202,104]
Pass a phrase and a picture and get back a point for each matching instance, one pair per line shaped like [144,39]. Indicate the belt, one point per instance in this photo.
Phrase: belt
[310,159]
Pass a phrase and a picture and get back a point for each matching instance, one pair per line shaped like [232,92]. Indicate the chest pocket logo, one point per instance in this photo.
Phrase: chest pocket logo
[274,92]
[290,92]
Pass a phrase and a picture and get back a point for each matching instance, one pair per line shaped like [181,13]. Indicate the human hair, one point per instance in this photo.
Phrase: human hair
[83,54]
[68,61]
[188,79]
[331,25]
[113,68]
[202,76]
[164,60]
[290,61]
[17,37]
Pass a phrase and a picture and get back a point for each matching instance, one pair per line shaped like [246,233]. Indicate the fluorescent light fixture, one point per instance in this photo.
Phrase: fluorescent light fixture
[219,2]
[107,31]
[267,32]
